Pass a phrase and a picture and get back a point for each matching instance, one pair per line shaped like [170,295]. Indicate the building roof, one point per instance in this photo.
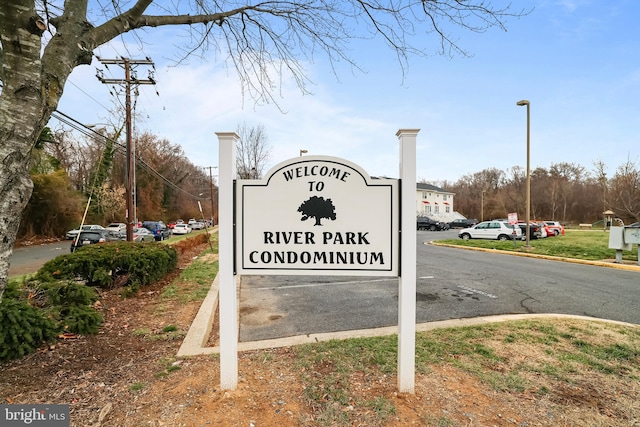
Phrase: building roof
[429,187]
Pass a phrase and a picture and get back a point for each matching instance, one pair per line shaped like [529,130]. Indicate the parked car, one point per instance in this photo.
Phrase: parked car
[142,235]
[181,229]
[71,234]
[426,223]
[499,230]
[463,223]
[547,231]
[534,230]
[117,226]
[196,225]
[556,226]
[544,231]
[139,234]
[158,228]
[90,237]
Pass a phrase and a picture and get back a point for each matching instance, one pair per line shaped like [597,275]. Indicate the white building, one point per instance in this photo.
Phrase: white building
[436,203]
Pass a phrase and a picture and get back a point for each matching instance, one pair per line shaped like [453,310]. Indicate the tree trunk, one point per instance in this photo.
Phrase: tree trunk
[32,87]
[21,118]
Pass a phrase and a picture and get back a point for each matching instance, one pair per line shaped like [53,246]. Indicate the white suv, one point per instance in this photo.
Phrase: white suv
[497,230]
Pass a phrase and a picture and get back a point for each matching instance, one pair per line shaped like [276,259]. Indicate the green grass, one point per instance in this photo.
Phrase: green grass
[137,386]
[167,366]
[511,357]
[587,245]
[194,282]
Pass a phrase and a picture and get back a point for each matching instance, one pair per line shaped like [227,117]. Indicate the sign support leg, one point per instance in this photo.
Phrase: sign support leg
[228,298]
[407,280]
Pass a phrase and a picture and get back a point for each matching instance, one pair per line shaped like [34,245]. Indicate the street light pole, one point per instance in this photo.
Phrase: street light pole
[528,184]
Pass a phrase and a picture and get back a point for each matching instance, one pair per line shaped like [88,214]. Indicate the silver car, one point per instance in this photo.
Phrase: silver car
[71,234]
[496,230]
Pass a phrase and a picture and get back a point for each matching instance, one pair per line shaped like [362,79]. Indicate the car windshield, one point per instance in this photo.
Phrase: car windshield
[90,235]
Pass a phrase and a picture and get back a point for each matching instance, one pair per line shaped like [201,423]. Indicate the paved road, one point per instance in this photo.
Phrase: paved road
[29,259]
[452,283]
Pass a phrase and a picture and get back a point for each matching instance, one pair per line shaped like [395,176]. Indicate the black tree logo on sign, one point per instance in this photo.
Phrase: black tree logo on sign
[318,208]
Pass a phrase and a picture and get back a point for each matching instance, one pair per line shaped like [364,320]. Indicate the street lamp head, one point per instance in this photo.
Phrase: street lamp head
[303,152]
[523,102]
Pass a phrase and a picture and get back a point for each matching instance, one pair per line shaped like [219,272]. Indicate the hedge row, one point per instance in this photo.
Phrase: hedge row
[112,265]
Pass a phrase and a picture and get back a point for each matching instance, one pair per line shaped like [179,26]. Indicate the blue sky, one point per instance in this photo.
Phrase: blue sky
[576,61]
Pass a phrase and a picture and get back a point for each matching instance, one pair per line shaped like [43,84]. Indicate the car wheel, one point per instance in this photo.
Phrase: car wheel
[465,236]
[556,232]
[503,237]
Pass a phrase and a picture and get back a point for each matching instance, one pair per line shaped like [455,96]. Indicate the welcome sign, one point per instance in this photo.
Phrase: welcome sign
[317,215]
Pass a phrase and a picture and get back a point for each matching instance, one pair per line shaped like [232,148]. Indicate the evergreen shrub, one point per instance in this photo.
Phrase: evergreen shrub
[72,305]
[113,264]
[23,329]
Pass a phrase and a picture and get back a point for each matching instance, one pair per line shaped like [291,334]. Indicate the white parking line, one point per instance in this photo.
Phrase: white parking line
[476,291]
[311,285]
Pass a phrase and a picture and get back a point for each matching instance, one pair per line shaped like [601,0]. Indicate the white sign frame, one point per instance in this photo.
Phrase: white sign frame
[228,285]
[315,215]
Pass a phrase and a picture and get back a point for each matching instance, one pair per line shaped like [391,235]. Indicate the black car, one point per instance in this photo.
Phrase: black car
[426,223]
[158,228]
[534,230]
[462,223]
[90,237]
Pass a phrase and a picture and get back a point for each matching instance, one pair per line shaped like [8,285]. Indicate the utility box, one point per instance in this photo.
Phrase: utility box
[617,239]
[631,235]
[617,242]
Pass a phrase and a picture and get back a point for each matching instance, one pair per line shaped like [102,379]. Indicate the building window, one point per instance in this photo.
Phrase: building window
[446,209]
[437,209]
[428,209]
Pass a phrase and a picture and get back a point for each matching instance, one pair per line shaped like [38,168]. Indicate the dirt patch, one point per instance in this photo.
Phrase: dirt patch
[128,375]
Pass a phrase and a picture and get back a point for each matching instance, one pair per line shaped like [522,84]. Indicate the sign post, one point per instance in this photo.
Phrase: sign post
[407,281]
[228,304]
[513,221]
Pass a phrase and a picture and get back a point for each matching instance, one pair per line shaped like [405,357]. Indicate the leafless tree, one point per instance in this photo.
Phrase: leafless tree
[43,41]
[252,152]
[625,187]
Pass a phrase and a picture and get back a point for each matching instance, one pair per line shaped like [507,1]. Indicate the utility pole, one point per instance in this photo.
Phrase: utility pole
[213,215]
[129,80]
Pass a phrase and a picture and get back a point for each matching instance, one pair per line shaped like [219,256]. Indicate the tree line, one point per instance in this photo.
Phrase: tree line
[74,173]
[565,192]
[71,174]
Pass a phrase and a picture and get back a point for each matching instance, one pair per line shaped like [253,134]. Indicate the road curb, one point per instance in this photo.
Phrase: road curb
[196,340]
[549,257]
